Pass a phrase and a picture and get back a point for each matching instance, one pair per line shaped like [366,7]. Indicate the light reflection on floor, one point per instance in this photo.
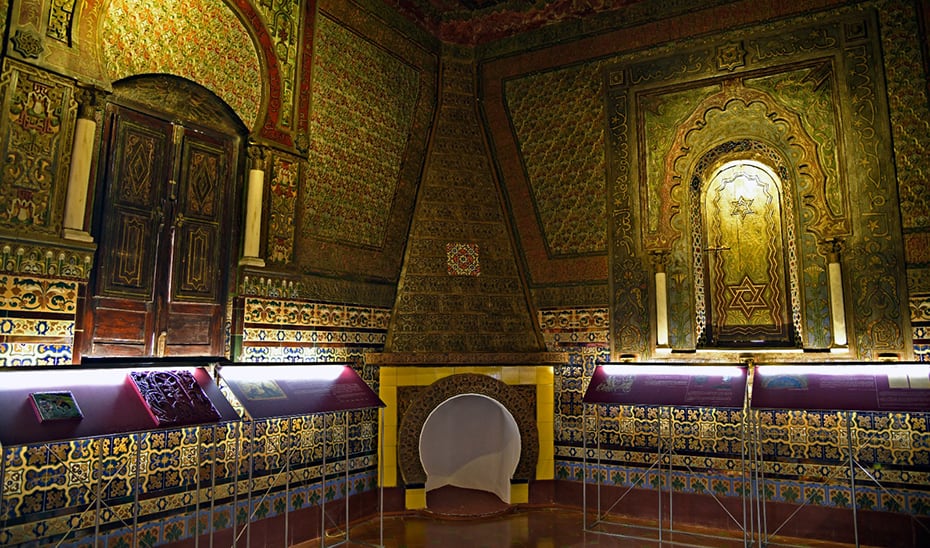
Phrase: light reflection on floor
[523,527]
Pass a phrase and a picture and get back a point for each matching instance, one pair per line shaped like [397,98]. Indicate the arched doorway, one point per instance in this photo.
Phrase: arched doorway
[470,441]
[167,196]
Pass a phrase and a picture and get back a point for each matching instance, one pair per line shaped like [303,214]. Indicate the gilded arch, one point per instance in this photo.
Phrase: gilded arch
[734,113]
[747,249]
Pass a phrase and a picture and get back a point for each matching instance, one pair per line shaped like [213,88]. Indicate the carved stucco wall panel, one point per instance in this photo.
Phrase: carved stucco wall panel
[809,94]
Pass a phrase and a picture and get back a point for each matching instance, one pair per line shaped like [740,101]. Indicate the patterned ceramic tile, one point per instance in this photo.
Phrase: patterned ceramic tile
[462,260]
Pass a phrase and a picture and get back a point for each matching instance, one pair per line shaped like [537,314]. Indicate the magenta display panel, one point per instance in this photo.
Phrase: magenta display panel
[267,391]
[668,384]
[843,387]
[108,402]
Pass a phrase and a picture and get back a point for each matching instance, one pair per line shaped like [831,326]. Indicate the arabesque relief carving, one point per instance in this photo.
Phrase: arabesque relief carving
[802,104]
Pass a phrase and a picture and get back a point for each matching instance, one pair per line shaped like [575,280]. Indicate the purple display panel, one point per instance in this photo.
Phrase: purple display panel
[268,391]
[678,385]
[106,397]
[843,387]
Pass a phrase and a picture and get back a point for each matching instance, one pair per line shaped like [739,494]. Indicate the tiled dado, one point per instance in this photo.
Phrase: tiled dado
[395,378]
[37,324]
[286,330]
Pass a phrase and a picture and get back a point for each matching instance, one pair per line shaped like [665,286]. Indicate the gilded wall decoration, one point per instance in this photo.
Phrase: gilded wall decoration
[720,92]
[284,184]
[41,260]
[60,20]
[548,111]
[283,18]
[878,271]
[178,38]
[362,110]
[628,281]
[36,140]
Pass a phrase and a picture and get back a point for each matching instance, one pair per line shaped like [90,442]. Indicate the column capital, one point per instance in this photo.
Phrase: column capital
[832,247]
[89,100]
[659,259]
[258,155]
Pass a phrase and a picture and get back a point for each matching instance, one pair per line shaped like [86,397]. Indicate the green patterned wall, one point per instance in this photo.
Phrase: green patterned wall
[557,118]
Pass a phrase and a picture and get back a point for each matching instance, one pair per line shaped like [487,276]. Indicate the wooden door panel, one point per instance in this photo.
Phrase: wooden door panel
[196,271]
[134,200]
[130,271]
[201,193]
[190,329]
[163,256]
[203,172]
[196,307]
[119,325]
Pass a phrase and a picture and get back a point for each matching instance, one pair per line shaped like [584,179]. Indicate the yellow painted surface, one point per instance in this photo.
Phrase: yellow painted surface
[545,469]
[388,376]
[415,499]
[519,493]
[510,375]
[545,375]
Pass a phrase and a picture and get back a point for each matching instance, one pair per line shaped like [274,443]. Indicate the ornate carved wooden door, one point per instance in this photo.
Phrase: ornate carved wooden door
[746,265]
[159,286]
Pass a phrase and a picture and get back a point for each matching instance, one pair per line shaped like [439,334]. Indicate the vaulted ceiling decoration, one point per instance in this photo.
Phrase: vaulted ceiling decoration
[475,22]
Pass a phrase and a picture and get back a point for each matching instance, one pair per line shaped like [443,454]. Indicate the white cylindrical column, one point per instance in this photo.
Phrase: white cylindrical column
[252,233]
[82,151]
[661,301]
[661,310]
[837,309]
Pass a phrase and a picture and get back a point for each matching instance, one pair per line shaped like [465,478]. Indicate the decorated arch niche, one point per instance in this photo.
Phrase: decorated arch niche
[808,100]
[742,184]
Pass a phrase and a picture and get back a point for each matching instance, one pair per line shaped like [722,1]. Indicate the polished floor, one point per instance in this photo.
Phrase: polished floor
[540,527]
[466,519]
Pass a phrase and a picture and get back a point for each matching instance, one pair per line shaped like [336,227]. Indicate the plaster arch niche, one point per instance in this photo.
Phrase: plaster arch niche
[470,441]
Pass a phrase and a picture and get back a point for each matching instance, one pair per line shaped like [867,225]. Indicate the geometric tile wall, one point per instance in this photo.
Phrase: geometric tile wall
[803,453]
[50,491]
[184,481]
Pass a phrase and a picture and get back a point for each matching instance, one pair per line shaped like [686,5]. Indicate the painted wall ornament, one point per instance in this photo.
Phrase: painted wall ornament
[27,43]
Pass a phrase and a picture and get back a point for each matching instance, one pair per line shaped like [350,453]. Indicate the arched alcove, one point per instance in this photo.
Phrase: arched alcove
[470,441]
[410,426]
[743,232]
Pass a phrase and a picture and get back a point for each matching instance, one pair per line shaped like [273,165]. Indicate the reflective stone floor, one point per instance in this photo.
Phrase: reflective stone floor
[475,519]
[525,527]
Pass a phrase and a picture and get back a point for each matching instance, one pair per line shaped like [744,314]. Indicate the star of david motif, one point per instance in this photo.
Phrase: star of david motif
[742,207]
[747,297]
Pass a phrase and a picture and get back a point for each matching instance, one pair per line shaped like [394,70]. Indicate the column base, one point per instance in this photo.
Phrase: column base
[79,235]
[252,261]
